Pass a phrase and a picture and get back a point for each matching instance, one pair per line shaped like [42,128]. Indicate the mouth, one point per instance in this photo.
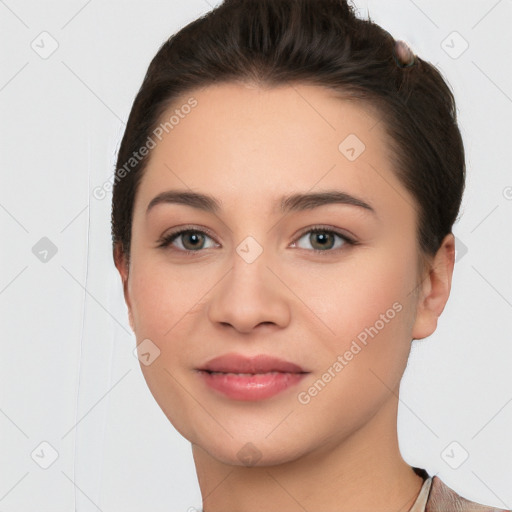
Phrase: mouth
[244,378]
[243,365]
[250,386]
[247,374]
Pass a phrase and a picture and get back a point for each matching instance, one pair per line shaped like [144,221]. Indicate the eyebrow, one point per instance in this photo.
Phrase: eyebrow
[291,203]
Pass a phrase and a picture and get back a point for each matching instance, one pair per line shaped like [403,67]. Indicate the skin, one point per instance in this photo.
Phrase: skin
[247,146]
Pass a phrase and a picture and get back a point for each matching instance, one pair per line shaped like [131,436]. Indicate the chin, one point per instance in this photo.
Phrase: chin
[256,453]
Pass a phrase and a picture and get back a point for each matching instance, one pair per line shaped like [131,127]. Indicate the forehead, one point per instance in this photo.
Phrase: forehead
[243,140]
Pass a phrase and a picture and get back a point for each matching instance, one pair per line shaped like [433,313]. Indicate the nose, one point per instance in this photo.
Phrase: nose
[250,296]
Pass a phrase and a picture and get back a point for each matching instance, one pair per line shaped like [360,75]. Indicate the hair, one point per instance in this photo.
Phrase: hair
[315,42]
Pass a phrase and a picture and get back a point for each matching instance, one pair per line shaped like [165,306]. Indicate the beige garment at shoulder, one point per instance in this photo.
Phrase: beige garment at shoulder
[444,499]
[421,500]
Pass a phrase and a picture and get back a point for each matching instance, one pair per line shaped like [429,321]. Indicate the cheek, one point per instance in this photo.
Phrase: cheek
[368,309]
[162,299]
[370,291]
[161,295]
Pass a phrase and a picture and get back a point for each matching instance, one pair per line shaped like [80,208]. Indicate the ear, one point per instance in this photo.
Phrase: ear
[122,266]
[434,289]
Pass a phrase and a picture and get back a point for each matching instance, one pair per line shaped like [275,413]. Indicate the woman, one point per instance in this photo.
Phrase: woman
[282,223]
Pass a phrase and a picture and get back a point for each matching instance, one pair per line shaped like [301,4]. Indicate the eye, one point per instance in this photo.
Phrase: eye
[324,240]
[191,240]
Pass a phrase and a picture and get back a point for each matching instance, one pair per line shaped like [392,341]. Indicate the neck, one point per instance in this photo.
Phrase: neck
[363,471]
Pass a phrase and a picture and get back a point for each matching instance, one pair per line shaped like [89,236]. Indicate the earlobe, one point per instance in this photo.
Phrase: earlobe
[435,290]
[120,261]
[123,268]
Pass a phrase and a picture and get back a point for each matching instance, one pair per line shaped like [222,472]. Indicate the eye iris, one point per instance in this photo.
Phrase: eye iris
[323,238]
[192,235]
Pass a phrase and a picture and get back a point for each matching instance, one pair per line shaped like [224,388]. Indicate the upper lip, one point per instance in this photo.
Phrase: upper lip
[262,363]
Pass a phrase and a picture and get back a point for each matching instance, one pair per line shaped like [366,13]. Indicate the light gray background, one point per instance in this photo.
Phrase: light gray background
[68,374]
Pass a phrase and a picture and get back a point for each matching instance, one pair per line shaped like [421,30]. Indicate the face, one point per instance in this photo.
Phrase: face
[251,277]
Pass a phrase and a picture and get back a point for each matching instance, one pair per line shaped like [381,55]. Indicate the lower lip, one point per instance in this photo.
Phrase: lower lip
[251,387]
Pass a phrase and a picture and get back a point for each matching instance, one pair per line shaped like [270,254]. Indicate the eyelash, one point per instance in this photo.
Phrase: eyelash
[166,240]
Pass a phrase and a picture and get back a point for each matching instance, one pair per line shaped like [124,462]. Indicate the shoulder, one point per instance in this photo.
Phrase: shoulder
[443,499]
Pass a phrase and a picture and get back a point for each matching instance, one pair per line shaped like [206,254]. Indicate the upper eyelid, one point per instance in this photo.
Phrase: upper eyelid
[320,227]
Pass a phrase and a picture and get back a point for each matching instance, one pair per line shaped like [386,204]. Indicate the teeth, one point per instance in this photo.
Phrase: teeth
[243,374]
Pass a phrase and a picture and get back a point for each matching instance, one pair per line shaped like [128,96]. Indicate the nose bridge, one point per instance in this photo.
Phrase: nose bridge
[250,250]
[249,262]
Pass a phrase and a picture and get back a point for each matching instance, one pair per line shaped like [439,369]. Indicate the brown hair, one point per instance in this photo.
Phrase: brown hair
[316,42]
